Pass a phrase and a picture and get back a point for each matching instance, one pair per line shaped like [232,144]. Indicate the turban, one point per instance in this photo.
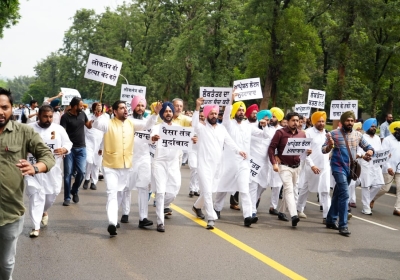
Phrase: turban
[264,113]
[235,108]
[368,123]
[85,105]
[317,116]
[278,113]
[135,101]
[152,106]
[357,125]
[346,115]
[208,108]
[394,126]
[250,110]
[55,103]
[164,107]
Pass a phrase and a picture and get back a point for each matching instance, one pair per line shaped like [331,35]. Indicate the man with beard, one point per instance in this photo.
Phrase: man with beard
[385,126]
[235,175]
[371,177]
[42,189]
[16,141]
[340,165]
[251,114]
[315,177]
[74,121]
[391,169]
[287,166]
[55,103]
[117,157]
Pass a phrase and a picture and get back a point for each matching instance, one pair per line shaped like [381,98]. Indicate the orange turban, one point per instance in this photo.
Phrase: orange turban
[317,116]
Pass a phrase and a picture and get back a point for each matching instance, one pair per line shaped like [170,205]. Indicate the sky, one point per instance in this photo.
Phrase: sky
[40,31]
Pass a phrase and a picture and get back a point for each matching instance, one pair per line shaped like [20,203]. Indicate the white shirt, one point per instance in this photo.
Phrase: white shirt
[390,142]
[28,112]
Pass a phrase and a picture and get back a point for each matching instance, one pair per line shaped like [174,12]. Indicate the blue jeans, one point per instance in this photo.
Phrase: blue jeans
[76,160]
[340,199]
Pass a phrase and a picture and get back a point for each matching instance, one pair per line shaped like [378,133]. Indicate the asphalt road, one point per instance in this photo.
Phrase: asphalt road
[76,244]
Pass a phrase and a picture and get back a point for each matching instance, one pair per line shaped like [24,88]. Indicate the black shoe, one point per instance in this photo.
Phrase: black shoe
[75,197]
[282,217]
[101,177]
[66,202]
[191,194]
[324,221]
[86,184]
[198,212]
[273,211]
[321,208]
[118,225]
[125,219]
[344,231]
[332,226]
[160,228]
[145,223]
[167,211]
[258,203]
[247,221]
[295,220]
[218,214]
[112,230]
[196,194]
[93,187]
[254,219]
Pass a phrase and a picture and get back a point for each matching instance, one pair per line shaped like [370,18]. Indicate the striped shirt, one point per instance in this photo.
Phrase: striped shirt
[340,161]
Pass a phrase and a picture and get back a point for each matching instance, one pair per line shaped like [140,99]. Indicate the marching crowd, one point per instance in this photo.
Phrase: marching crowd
[50,149]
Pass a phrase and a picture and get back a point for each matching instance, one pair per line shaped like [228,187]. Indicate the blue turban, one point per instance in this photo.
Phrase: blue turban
[55,103]
[264,113]
[164,107]
[368,123]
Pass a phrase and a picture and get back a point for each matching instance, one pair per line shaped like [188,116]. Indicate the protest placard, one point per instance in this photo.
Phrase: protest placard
[216,95]
[338,107]
[175,137]
[152,150]
[142,136]
[128,92]
[17,113]
[297,146]
[255,167]
[380,157]
[52,146]
[316,98]
[68,94]
[303,110]
[103,69]
[248,89]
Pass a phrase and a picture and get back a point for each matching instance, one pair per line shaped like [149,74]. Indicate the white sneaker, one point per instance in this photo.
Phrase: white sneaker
[34,233]
[302,215]
[45,220]
[366,210]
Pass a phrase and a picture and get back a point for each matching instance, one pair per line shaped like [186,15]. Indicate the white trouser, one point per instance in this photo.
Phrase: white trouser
[274,197]
[38,204]
[244,198]
[92,170]
[384,189]
[296,192]
[366,196]
[125,199]
[324,201]
[185,156]
[161,200]
[289,177]
[253,190]
[116,180]
[352,191]
[194,180]
[205,200]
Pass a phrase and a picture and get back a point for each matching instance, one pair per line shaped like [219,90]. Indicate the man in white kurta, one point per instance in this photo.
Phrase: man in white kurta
[211,140]
[117,157]
[236,170]
[43,188]
[371,177]
[315,176]
[194,176]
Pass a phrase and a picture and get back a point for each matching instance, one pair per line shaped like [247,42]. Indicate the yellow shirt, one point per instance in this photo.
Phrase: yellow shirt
[183,120]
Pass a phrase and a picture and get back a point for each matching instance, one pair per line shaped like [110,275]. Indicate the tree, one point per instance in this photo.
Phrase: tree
[9,14]
[19,85]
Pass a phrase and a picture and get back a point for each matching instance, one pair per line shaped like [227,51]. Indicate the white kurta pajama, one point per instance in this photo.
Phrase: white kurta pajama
[311,182]
[236,170]
[194,176]
[165,176]
[93,140]
[210,145]
[43,188]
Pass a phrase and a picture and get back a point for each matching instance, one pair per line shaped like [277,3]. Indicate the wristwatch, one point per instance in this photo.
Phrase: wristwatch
[36,169]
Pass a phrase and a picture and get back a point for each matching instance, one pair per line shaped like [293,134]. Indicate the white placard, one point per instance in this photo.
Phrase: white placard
[176,137]
[152,150]
[338,107]
[17,115]
[380,157]
[297,146]
[248,89]
[216,95]
[128,92]
[102,69]
[142,136]
[52,146]
[303,110]
[316,98]
[255,167]
[68,94]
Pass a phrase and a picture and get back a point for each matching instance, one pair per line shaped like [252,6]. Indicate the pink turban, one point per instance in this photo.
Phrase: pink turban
[135,101]
[208,108]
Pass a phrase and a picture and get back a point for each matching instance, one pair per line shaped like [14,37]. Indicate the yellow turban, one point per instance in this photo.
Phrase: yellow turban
[235,108]
[154,104]
[393,126]
[317,116]
[357,125]
[278,113]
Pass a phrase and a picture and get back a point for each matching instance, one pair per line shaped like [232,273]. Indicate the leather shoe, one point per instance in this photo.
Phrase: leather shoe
[273,211]
[282,217]
[295,220]
[353,205]
[125,219]
[167,211]
[332,226]
[196,194]
[396,212]
[160,228]
[86,184]
[247,221]
[254,218]
[210,224]
[235,207]
[145,223]
[75,197]
[93,187]
[344,231]
[218,214]
[191,194]
[112,230]
[198,212]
